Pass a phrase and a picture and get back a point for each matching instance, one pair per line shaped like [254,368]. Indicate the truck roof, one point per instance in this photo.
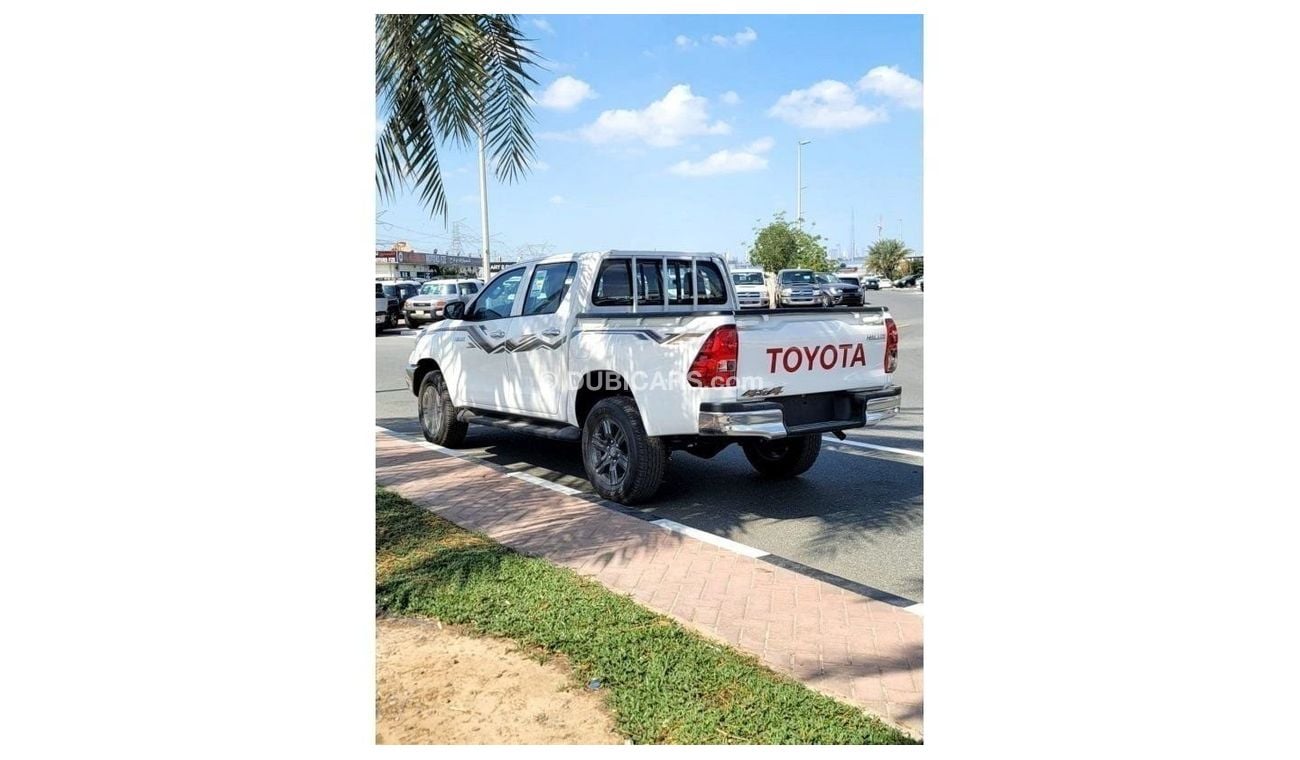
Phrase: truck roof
[614,252]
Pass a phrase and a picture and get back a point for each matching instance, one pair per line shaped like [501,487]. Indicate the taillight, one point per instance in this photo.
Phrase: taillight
[891,345]
[715,364]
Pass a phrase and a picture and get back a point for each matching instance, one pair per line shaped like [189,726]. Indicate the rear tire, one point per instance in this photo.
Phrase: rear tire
[623,464]
[783,457]
[437,416]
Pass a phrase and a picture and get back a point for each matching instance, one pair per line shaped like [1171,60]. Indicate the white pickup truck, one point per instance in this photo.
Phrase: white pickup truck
[637,354]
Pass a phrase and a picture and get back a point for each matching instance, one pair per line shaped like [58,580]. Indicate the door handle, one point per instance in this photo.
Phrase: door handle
[551,333]
[497,334]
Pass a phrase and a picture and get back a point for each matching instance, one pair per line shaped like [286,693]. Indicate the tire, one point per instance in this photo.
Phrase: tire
[437,416]
[623,464]
[783,457]
[414,324]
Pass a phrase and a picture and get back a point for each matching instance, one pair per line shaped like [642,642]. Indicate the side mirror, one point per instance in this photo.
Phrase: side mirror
[454,310]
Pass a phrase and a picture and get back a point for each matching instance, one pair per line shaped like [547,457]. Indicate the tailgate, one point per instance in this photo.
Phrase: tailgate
[786,354]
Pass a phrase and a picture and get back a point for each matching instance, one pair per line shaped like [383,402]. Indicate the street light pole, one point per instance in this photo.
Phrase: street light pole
[482,204]
[798,184]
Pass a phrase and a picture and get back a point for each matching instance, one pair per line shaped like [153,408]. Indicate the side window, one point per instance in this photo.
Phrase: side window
[709,283]
[613,284]
[498,298]
[679,284]
[649,284]
[468,288]
[546,290]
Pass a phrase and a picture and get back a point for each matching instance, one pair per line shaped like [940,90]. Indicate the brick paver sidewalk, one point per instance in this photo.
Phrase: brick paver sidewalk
[845,645]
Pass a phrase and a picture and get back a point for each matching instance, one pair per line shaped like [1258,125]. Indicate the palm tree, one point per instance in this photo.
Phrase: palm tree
[453,77]
[884,256]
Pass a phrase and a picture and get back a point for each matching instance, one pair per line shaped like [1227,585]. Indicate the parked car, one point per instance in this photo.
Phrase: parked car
[384,309]
[399,290]
[885,282]
[906,281]
[427,305]
[870,282]
[635,355]
[920,283]
[798,287]
[753,288]
[837,292]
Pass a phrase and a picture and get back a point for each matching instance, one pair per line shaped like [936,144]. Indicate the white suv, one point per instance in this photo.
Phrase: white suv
[428,304]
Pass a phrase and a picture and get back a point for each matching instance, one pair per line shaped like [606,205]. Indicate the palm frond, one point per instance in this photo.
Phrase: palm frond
[446,77]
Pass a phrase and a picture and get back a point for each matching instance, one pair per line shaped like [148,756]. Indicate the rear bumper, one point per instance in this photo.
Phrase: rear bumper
[783,417]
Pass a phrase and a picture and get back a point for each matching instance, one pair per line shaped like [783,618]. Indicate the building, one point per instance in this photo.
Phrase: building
[402,262]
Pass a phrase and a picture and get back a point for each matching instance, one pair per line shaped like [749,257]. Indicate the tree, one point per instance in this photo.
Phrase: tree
[782,245]
[885,255]
[446,77]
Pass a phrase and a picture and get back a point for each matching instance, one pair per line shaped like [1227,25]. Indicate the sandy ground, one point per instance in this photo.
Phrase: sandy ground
[436,686]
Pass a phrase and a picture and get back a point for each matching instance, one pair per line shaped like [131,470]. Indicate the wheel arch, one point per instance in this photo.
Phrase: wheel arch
[596,385]
[422,368]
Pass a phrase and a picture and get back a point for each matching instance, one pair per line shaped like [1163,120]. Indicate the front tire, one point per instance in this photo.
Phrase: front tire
[783,458]
[414,324]
[437,415]
[623,464]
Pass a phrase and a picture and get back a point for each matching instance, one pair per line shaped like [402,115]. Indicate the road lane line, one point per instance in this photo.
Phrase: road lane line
[544,483]
[877,447]
[709,538]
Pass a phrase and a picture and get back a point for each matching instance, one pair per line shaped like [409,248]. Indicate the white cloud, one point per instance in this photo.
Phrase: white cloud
[739,39]
[684,42]
[891,83]
[730,98]
[558,200]
[565,93]
[746,159]
[544,25]
[663,123]
[829,104]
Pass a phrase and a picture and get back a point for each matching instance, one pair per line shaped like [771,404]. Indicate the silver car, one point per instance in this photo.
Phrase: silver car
[797,287]
[428,304]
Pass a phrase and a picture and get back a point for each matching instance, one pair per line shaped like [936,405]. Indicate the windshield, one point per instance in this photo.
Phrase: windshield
[438,289]
[827,278]
[797,276]
[747,278]
[849,280]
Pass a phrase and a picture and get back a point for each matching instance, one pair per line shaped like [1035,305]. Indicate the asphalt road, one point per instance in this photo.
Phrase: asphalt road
[857,513]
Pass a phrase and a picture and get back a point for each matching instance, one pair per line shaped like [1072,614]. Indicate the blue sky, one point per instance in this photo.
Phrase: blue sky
[679,133]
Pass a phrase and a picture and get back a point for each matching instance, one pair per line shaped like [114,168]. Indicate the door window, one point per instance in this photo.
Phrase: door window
[498,297]
[547,288]
[613,284]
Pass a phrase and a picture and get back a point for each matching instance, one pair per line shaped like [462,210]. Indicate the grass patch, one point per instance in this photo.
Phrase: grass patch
[665,684]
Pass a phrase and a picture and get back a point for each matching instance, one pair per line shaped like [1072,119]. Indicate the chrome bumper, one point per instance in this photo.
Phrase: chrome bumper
[766,419]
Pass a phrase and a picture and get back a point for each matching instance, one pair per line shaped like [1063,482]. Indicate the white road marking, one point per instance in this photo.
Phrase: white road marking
[544,483]
[915,609]
[877,447]
[709,538]
[419,441]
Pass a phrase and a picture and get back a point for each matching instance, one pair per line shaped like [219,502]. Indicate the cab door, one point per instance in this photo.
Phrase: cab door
[538,342]
[484,353]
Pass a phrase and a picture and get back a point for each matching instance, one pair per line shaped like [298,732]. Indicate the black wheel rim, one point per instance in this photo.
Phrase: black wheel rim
[430,408]
[772,451]
[607,454]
